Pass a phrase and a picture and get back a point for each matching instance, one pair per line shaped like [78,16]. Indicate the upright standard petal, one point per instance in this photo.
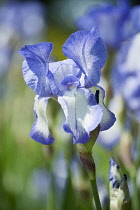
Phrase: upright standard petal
[36,65]
[82,113]
[64,72]
[108,118]
[53,66]
[40,131]
[88,51]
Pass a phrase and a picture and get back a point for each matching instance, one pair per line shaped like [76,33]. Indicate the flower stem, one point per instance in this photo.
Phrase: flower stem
[89,165]
[135,199]
[95,194]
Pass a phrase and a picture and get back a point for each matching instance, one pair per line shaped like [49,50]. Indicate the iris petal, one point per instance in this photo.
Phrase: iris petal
[63,72]
[53,66]
[82,113]
[36,65]
[69,81]
[29,77]
[40,131]
[88,51]
[108,118]
[42,85]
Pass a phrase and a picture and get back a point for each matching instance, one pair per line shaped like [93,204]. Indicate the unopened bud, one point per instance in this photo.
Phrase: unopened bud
[119,192]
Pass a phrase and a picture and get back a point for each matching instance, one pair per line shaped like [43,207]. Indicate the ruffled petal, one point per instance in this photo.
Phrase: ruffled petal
[82,113]
[89,52]
[53,66]
[108,118]
[35,67]
[40,131]
[64,72]
[37,57]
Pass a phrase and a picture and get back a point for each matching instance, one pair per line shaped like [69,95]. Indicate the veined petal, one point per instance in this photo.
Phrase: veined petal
[36,61]
[63,72]
[53,66]
[40,85]
[37,57]
[29,77]
[82,113]
[108,118]
[89,52]
[40,131]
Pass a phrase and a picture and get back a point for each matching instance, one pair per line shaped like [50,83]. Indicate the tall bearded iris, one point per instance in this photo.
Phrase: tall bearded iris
[68,82]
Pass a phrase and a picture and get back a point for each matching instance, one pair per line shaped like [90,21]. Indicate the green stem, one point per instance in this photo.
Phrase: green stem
[89,165]
[135,200]
[95,194]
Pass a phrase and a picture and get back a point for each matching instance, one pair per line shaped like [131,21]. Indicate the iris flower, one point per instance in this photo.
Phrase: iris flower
[69,82]
[127,70]
[109,18]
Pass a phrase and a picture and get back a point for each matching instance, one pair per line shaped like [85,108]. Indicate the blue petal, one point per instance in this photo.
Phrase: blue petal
[88,51]
[128,57]
[108,118]
[40,131]
[70,80]
[109,20]
[53,66]
[132,97]
[132,24]
[114,174]
[82,113]
[63,71]
[127,66]
[37,57]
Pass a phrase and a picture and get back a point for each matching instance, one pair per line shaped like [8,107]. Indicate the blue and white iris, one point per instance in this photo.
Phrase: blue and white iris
[68,81]
[126,74]
[109,18]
